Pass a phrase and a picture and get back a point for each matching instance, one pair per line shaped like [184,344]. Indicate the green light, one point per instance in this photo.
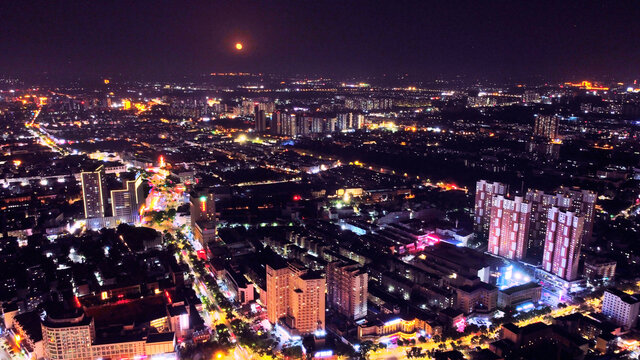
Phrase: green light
[203,198]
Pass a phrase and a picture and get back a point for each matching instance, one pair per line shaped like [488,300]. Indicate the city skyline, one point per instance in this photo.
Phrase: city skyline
[271,180]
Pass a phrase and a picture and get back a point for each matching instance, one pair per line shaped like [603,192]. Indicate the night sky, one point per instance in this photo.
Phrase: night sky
[489,39]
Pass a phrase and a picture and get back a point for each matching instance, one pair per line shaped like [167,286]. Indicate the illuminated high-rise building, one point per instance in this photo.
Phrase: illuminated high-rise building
[267,106]
[295,297]
[582,203]
[317,125]
[277,122]
[289,125]
[307,303]
[347,289]
[247,107]
[344,121]
[531,96]
[69,334]
[358,121]
[562,245]
[127,201]
[485,191]
[203,206]
[203,216]
[541,203]
[94,193]
[546,126]
[304,124]
[509,229]
[261,120]
[621,308]
[278,281]
[330,125]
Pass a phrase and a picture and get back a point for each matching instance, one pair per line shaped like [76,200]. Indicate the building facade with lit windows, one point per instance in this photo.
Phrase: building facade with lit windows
[479,297]
[485,191]
[598,268]
[546,126]
[94,193]
[278,118]
[515,295]
[621,308]
[296,298]
[509,229]
[562,245]
[278,281]
[541,202]
[261,120]
[347,289]
[582,203]
[307,303]
[27,334]
[202,206]
[387,327]
[68,335]
[203,216]
[127,201]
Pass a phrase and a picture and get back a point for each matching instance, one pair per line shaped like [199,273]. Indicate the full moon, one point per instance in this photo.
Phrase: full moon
[238,46]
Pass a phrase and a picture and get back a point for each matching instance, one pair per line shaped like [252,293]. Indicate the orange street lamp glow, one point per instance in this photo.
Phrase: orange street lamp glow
[238,46]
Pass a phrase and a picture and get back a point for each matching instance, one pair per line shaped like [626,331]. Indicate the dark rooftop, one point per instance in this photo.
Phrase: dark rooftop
[30,323]
[515,289]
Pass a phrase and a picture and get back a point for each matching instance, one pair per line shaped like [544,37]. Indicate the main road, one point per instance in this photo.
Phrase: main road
[161,199]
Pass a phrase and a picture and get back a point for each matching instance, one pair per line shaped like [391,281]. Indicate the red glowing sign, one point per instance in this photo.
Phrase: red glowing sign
[297,197]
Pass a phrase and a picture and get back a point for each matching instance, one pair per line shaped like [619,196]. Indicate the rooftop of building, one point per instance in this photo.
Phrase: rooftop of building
[129,311]
[115,339]
[477,286]
[629,299]
[485,354]
[514,289]
[30,323]
[161,337]
[277,263]
[451,312]
[528,329]
[311,275]
[177,310]
[61,315]
[461,256]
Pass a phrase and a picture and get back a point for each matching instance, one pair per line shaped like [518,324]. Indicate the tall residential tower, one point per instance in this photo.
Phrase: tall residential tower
[94,193]
[485,191]
[509,230]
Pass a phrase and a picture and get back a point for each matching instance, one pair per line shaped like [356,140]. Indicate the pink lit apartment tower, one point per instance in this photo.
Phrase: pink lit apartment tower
[562,245]
[509,229]
[485,191]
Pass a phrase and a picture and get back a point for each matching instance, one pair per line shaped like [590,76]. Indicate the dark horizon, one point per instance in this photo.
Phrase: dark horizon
[171,39]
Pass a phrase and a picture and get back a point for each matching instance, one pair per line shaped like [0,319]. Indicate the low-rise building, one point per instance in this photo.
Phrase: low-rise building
[596,268]
[479,297]
[387,326]
[529,292]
